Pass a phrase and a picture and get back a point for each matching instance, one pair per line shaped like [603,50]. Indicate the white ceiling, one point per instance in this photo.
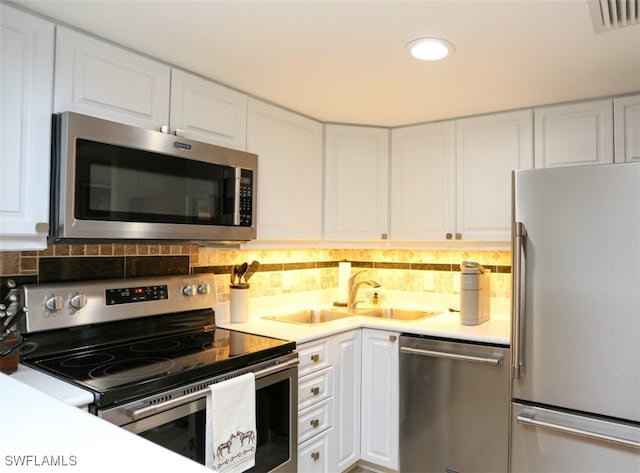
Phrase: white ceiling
[345,61]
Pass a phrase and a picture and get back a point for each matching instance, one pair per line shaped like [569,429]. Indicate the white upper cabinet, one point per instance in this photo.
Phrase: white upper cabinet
[574,134]
[26,97]
[627,128]
[451,180]
[489,147]
[103,80]
[289,149]
[423,181]
[207,111]
[356,183]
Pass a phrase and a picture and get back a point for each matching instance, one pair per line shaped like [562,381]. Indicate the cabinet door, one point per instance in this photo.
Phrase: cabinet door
[356,182]
[346,424]
[489,147]
[379,425]
[207,111]
[289,149]
[314,454]
[26,62]
[574,134]
[627,128]
[103,80]
[423,181]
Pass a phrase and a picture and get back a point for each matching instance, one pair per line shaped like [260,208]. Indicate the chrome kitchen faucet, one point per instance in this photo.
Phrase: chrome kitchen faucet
[353,289]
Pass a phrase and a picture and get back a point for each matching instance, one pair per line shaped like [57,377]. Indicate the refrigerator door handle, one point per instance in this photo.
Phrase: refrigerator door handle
[517,300]
[528,418]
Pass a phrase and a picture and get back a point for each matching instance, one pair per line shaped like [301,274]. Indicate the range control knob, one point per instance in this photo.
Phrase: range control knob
[203,288]
[189,290]
[54,303]
[78,301]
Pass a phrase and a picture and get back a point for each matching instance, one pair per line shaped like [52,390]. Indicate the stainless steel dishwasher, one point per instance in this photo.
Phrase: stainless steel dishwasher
[454,406]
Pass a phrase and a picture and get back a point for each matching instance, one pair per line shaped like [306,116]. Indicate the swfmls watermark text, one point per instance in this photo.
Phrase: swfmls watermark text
[45,461]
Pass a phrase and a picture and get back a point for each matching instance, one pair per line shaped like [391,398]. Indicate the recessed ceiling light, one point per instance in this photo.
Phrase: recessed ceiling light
[430,49]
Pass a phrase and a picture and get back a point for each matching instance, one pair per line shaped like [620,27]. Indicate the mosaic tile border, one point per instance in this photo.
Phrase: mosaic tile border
[226,269]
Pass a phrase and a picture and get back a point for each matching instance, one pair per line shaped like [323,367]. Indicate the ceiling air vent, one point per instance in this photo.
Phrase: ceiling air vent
[610,14]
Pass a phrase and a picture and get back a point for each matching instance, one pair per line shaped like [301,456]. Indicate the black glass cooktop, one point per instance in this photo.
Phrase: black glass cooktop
[120,371]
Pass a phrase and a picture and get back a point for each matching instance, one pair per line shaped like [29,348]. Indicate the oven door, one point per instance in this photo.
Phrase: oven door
[181,428]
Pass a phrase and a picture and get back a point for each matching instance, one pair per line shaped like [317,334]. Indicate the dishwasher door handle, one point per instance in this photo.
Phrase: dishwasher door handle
[495,361]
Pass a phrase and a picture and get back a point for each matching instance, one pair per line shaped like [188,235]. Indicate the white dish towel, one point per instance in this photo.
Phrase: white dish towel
[231,425]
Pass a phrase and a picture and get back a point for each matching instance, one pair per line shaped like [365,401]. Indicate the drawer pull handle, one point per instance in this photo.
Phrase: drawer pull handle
[392,338]
[315,391]
[315,423]
[315,456]
[315,358]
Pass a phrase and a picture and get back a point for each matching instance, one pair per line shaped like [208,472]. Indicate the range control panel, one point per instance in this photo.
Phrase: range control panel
[136,294]
[53,306]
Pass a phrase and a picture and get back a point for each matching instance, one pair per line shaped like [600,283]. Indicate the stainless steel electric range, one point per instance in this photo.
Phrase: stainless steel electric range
[148,349]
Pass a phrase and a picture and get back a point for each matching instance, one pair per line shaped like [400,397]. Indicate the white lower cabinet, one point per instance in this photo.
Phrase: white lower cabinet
[315,419]
[379,410]
[348,368]
[315,406]
[314,455]
[329,403]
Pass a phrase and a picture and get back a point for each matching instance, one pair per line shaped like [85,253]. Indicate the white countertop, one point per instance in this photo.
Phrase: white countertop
[497,330]
[46,427]
[39,429]
[61,390]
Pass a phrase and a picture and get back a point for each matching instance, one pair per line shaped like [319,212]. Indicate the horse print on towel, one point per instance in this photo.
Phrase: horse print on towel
[249,436]
[235,449]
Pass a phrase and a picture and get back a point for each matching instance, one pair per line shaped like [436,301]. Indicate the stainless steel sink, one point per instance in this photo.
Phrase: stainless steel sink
[310,317]
[313,317]
[400,314]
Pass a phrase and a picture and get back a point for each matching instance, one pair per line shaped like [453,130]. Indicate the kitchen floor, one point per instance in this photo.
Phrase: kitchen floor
[360,469]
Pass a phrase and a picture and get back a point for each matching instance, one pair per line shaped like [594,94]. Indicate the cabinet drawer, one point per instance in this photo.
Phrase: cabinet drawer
[315,387]
[314,420]
[313,455]
[314,356]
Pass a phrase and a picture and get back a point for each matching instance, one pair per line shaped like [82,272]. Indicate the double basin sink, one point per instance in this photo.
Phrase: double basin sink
[319,316]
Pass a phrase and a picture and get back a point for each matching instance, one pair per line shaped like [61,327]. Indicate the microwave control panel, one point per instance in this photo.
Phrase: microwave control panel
[246,198]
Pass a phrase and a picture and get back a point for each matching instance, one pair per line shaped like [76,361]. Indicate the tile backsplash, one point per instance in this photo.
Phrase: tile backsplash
[281,271]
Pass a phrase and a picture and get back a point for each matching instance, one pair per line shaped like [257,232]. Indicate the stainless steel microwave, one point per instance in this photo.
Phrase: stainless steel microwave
[116,182]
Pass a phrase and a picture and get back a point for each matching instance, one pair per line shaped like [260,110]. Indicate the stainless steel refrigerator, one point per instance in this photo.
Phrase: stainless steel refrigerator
[576,320]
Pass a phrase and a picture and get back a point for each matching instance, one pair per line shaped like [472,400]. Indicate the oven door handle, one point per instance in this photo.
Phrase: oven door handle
[135,414]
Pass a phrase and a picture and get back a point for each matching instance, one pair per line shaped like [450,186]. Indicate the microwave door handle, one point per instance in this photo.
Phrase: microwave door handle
[236,196]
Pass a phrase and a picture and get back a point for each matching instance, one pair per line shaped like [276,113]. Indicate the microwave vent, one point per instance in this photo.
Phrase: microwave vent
[612,14]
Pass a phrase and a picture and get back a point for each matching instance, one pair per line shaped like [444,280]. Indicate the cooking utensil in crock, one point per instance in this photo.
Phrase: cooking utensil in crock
[253,267]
